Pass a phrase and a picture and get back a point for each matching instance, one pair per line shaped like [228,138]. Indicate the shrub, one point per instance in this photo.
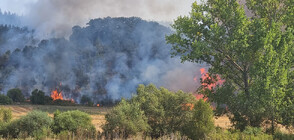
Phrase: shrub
[280,136]
[252,130]
[63,102]
[33,124]
[126,119]
[237,135]
[5,115]
[16,95]
[72,121]
[5,100]
[10,129]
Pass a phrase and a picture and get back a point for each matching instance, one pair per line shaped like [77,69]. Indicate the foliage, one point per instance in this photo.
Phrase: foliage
[202,123]
[237,135]
[5,100]
[251,51]
[86,100]
[38,97]
[126,119]
[72,121]
[16,95]
[5,115]
[282,136]
[252,130]
[33,124]
[165,113]
[63,102]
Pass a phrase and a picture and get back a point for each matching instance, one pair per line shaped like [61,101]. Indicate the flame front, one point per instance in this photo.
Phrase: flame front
[55,95]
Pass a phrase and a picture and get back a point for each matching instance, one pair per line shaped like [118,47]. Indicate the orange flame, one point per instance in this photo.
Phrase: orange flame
[55,95]
[215,82]
[205,77]
[98,105]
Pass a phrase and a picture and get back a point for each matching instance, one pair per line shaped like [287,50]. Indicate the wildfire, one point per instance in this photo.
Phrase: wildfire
[98,105]
[207,82]
[55,95]
[210,82]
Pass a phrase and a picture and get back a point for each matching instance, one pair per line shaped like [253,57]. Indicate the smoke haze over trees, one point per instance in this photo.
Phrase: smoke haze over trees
[107,59]
[56,17]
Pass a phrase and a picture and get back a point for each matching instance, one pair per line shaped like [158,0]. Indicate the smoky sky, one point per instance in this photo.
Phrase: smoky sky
[56,17]
[98,48]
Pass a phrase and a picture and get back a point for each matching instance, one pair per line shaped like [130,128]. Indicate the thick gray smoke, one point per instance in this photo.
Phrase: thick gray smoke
[107,59]
[56,17]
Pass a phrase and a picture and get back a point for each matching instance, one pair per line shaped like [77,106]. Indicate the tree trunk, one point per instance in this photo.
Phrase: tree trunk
[246,84]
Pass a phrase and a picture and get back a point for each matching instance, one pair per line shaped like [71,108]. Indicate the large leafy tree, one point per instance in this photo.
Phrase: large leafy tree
[251,47]
[160,112]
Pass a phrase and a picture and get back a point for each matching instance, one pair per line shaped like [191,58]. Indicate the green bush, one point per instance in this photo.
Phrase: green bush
[16,95]
[10,129]
[166,113]
[281,136]
[252,130]
[126,119]
[237,135]
[5,100]
[34,124]
[5,115]
[63,102]
[72,121]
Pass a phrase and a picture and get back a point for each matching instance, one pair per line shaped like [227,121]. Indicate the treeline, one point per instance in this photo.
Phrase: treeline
[8,18]
[115,50]
[38,97]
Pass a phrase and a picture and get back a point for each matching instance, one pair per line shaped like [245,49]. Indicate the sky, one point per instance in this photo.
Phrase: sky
[54,15]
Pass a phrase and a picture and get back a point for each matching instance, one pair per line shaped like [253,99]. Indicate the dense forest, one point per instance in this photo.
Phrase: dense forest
[106,59]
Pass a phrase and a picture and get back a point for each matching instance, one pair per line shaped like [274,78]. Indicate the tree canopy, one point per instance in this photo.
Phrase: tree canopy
[251,47]
[159,112]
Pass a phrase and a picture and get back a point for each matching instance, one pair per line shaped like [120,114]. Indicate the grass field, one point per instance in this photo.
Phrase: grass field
[97,113]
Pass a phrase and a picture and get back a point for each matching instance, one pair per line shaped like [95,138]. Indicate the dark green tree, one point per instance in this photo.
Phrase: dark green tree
[251,50]
[86,100]
[38,97]
[16,95]
[159,112]
[5,100]
[201,123]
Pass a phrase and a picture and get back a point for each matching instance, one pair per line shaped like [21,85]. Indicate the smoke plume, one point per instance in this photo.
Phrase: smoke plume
[106,58]
[56,17]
